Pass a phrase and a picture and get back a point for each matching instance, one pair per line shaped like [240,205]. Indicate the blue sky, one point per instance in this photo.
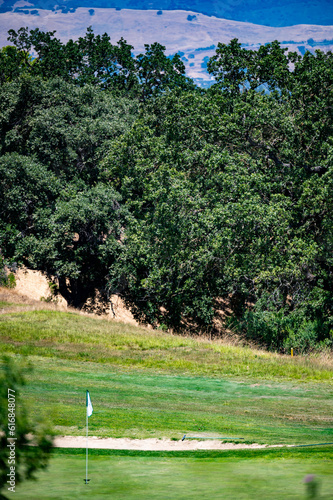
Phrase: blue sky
[265,12]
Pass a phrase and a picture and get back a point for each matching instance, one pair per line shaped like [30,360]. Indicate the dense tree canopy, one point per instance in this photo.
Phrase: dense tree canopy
[119,174]
[93,60]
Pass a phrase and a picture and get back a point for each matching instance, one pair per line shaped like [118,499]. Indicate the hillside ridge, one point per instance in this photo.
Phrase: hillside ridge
[270,13]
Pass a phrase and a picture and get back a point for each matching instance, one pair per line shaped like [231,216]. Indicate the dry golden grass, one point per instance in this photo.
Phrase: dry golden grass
[41,328]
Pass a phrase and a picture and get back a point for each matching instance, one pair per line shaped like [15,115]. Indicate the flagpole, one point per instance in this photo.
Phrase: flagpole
[87,446]
[89,410]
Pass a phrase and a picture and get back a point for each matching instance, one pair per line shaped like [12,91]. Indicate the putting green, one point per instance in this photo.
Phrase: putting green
[241,475]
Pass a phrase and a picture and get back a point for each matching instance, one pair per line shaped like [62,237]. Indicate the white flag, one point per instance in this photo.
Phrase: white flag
[89,405]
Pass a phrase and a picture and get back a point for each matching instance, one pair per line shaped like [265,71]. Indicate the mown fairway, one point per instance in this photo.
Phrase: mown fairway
[147,383]
[140,404]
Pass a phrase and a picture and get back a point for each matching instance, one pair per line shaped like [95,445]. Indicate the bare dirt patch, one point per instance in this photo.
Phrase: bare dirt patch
[32,289]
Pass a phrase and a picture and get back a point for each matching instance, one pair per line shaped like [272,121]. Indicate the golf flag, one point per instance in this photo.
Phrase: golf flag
[89,405]
[88,414]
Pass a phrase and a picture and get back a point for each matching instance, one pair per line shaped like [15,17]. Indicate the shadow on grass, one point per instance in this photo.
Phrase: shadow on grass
[306,452]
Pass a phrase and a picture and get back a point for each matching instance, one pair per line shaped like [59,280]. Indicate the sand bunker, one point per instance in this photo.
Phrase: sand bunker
[151,444]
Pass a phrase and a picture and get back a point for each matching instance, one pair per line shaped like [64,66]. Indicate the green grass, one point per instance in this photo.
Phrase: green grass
[141,404]
[75,337]
[4,303]
[241,475]
[146,383]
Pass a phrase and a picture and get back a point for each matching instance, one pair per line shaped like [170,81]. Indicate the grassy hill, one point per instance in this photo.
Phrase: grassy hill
[147,383]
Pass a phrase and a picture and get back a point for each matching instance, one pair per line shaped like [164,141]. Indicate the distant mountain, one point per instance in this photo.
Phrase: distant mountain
[194,36]
[191,33]
[276,13]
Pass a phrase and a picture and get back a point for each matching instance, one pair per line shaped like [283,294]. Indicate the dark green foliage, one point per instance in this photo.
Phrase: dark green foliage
[93,60]
[219,188]
[282,331]
[25,187]
[28,459]
[78,241]
[64,126]
[180,199]
[53,134]
[237,68]
[7,279]
[157,73]
[13,62]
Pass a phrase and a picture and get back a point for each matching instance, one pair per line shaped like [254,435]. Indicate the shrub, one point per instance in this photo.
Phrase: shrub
[280,331]
[7,279]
